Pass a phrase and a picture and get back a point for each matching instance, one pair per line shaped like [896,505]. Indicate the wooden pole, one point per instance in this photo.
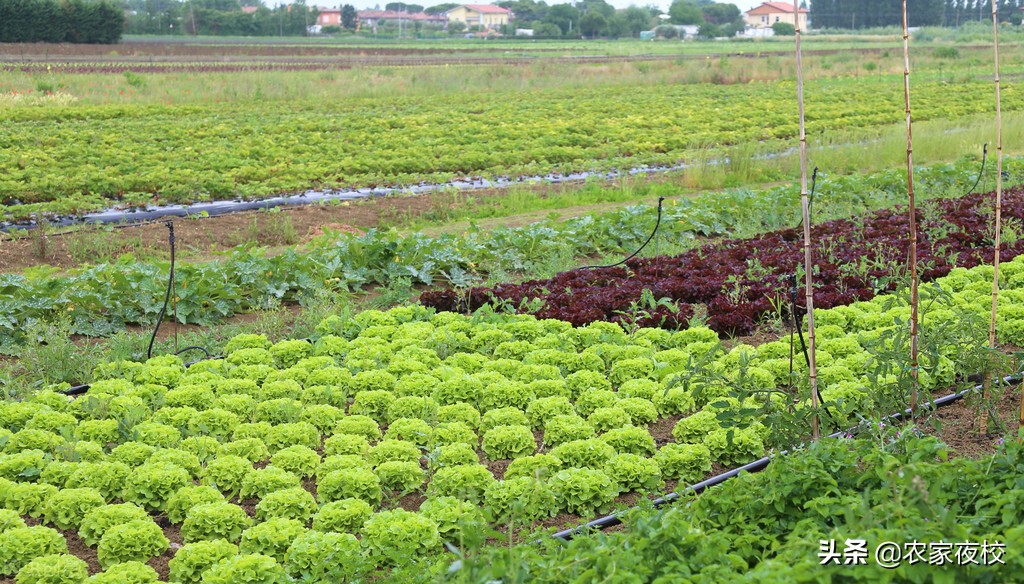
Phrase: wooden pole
[983,427]
[806,210]
[913,218]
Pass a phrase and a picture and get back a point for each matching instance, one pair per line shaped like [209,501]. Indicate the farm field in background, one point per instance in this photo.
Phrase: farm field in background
[273,132]
[414,389]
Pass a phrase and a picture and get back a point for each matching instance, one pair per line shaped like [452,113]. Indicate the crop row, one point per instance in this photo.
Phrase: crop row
[101,300]
[744,281]
[396,431]
[90,157]
[893,485]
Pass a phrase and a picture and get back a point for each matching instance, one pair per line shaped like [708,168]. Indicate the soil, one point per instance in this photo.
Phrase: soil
[956,425]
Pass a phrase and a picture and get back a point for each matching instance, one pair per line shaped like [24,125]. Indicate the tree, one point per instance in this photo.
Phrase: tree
[564,16]
[784,29]
[546,30]
[685,12]
[592,24]
[440,8]
[720,13]
[348,17]
[666,31]
[635,20]
[403,7]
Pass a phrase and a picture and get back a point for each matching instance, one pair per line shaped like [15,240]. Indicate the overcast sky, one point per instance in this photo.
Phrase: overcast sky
[743,5]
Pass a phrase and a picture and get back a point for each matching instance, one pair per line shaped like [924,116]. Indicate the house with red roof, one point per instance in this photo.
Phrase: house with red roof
[486,16]
[768,13]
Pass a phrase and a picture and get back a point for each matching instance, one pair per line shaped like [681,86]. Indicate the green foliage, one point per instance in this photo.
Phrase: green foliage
[357,483]
[324,558]
[189,562]
[584,491]
[295,503]
[398,537]
[65,509]
[733,447]
[393,450]
[468,482]
[561,429]
[687,463]
[261,482]
[458,522]
[630,439]
[227,473]
[591,453]
[271,538]
[251,449]
[632,472]
[342,516]
[187,498]
[506,442]
[359,425]
[125,573]
[21,545]
[521,499]
[53,569]
[246,569]
[608,418]
[151,485]
[400,475]
[299,460]
[137,540]
[219,520]
[97,521]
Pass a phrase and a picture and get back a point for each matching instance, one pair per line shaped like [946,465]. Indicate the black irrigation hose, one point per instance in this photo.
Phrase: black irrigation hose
[634,254]
[167,297]
[757,465]
[797,315]
[984,157]
[194,348]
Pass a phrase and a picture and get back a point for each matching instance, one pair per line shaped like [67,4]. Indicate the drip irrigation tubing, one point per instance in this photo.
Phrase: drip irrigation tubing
[167,297]
[752,467]
[657,224]
[984,157]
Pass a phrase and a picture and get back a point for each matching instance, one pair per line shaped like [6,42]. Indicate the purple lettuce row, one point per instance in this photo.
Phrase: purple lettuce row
[737,280]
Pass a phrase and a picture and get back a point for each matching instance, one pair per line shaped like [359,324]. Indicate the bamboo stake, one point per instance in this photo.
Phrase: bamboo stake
[806,210]
[983,428]
[913,217]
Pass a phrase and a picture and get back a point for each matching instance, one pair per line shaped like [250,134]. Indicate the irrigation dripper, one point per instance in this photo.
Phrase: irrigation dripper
[640,249]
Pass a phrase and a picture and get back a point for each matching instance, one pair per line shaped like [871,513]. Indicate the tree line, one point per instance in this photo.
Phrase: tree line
[857,14]
[218,17]
[60,21]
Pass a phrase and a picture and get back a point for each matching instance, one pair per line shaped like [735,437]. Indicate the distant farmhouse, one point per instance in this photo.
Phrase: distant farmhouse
[768,13]
[486,16]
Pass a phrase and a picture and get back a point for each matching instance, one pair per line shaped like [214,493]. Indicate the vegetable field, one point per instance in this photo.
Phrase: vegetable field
[93,157]
[367,404]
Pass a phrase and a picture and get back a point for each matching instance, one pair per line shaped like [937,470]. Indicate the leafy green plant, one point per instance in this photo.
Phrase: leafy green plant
[398,537]
[261,482]
[65,509]
[630,439]
[298,460]
[566,428]
[467,482]
[53,569]
[21,545]
[137,540]
[584,491]
[151,485]
[342,516]
[295,503]
[400,475]
[521,499]
[358,483]
[687,463]
[506,442]
[271,538]
[187,498]
[632,472]
[247,569]
[591,453]
[458,522]
[193,559]
[324,558]
[97,521]
[127,573]
[227,473]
